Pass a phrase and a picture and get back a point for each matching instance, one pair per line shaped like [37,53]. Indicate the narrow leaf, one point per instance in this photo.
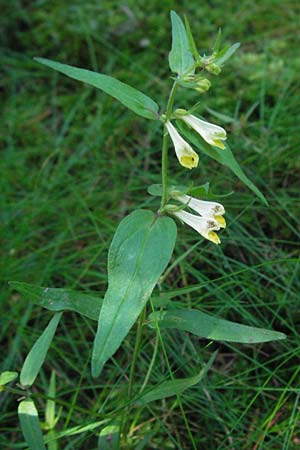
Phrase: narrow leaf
[7,377]
[218,40]
[30,425]
[57,299]
[37,354]
[140,251]
[180,57]
[224,156]
[206,326]
[174,387]
[130,97]
[226,53]
[192,44]
[109,438]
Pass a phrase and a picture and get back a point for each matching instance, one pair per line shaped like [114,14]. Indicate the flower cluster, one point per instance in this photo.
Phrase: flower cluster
[212,134]
[210,214]
[208,220]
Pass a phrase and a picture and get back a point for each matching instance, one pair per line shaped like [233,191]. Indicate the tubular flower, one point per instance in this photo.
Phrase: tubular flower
[184,152]
[203,225]
[205,209]
[212,134]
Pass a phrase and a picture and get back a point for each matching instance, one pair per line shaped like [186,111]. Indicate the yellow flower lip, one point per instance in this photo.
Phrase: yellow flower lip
[189,161]
[219,144]
[213,237]
[221,221]
[187,157]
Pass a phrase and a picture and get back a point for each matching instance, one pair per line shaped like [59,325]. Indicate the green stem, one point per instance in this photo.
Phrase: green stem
[164,156]
[126,416]
[136,351]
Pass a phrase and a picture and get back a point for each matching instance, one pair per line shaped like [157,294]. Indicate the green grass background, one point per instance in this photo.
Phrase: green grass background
[74,162]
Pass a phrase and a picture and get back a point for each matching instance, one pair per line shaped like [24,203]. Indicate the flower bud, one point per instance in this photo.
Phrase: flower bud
[213,68]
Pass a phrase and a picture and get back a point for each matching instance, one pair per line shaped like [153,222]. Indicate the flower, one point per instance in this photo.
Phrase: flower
[205,209]
[203,225]
[212,134]
[184,152]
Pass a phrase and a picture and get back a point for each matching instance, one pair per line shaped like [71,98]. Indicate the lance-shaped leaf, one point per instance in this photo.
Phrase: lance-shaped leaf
[209,327]
[174,387]
[180,57]
[130,97]
[224,157]
[57,299]
[140,251]
[226,53]
[30,425]
[37,354]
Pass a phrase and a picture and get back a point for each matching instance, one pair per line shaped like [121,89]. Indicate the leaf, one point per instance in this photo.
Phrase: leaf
[30,425]
[226,53]
[192,44]
[140,251]
[37,354]
[7,377]
[224,156]
[57,299]
[130,97]
[199,191]
[209,327]
[109,438]
[218,40]
[180,57]
[174,387]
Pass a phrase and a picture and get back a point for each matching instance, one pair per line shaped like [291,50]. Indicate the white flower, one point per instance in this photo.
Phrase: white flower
[205,209]
[212,134]
[184,152]
[203,225]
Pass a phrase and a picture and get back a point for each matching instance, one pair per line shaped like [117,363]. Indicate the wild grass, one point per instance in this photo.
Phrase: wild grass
[74,162]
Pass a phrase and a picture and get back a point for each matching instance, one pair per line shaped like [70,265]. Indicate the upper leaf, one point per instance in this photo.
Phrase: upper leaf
[180,57]
[139,252]
[130,97]
[226,53]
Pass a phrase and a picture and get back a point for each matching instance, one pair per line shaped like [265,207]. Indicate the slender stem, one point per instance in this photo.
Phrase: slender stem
[150,365]
[126,413]
[136,350]
[164,156]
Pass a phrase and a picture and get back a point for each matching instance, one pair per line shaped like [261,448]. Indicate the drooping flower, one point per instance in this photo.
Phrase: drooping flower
[212,134]
[203,225]
[186,155]
[206,209]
